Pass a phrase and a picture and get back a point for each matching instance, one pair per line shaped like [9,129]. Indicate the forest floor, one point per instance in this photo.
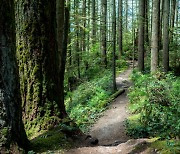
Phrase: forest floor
[110,128]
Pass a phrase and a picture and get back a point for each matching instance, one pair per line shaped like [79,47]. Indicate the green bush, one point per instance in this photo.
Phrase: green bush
[157,99]
[86,103]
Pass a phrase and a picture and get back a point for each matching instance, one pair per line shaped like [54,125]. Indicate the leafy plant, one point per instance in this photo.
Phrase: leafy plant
[157,100]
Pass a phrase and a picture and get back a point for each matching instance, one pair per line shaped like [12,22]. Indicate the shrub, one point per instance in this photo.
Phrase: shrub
[157,99]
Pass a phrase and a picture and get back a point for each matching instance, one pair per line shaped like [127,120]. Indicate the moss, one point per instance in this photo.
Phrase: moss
[50,140]
[4,131]
[167,147]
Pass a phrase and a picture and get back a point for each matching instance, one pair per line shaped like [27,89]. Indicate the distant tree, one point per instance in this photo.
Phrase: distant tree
[166,35]
[103,31]
[114,44]
[77,37]
[155,36]
[172,19]
[120,27]
[93,21]
[146,22]
[12,131]
[141,35]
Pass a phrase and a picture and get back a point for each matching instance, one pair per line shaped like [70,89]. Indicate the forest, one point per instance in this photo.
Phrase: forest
[90,76]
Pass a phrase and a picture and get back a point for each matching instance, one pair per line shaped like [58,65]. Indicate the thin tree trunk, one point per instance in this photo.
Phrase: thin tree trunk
[173,11]
[166,35]
[161,23]
[141,35]
[146,21]
[93,21]
[62,48]
[76,12]
[155,36]
[114,45]
[120,28]
[103,32]
[126,26]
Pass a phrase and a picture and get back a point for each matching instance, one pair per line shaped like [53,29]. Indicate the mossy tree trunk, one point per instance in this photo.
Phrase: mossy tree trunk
[40,62]
[11,127]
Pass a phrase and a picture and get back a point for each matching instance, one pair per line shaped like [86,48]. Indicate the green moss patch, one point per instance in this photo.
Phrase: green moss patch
[53,139]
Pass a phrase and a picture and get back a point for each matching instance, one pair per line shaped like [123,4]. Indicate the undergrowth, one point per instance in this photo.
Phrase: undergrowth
[86,103]
[155,106]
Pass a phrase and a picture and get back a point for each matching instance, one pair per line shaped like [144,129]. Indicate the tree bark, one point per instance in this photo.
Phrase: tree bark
[120,28]
[11,126]
[114,45]
[155,36]
[126,26]
[166,35]
[141,35]
[93,21]
[173,11]
[41,62]
[103,31]
[146,22]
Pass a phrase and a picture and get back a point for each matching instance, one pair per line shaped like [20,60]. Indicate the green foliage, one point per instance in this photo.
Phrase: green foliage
[157,100]
[86,103]
[167,146]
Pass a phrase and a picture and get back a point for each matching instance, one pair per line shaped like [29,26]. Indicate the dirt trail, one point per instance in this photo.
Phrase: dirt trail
[110,129]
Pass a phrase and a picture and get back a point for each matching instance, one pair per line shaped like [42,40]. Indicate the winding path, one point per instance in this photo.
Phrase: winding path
[110,129]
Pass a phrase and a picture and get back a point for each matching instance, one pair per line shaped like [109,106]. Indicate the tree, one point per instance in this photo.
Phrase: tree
[11,125]
[41,62]
[62,19]
[93,21]
[155,36]
[103,31]
[120,27]
[127,7]
[166,35]
[141,35]
[77,36]
[173,11]
[114,45]
[146,22]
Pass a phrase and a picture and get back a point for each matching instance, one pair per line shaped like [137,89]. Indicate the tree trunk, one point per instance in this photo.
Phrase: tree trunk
[84,27]
[155,36]
[120,27]
[126,26]
[166,35]
[161,23]
[173,11]
[141,35]
[103,32]
[146,21]
[93,21]
[11,126]
[114,45]
[41,63]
